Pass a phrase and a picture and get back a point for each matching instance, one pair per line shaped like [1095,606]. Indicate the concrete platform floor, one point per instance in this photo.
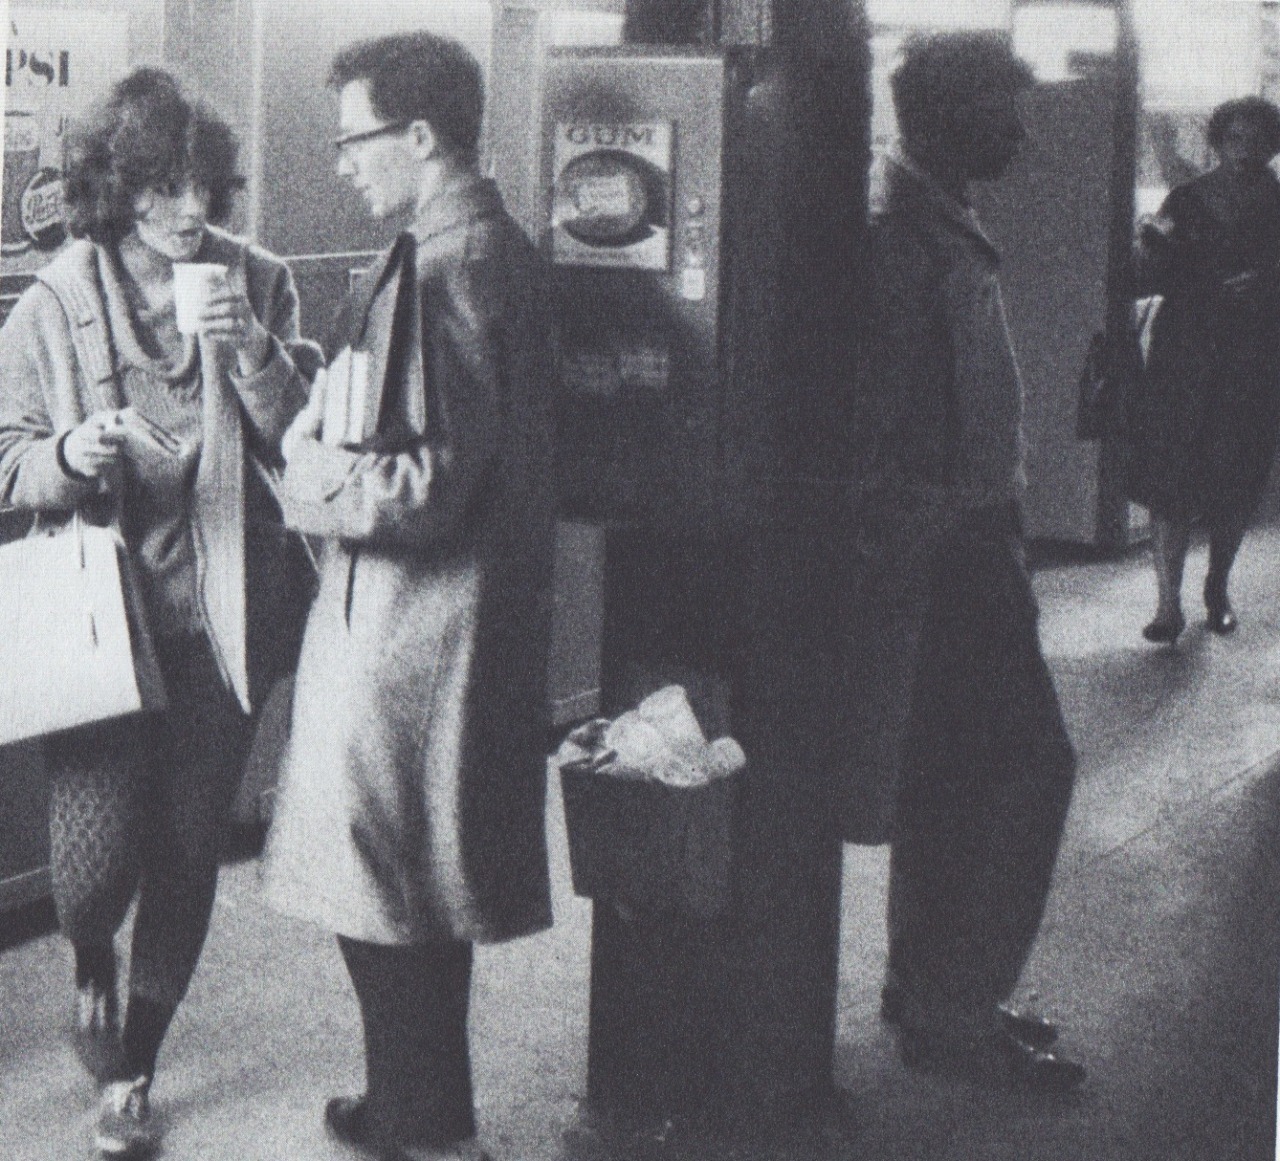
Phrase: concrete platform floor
[1160,955]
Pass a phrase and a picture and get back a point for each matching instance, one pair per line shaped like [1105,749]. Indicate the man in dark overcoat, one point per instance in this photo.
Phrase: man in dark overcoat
[959,752]
[410,815]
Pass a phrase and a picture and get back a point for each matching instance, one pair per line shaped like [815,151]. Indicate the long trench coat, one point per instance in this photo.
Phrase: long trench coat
[411,806]
[907,510]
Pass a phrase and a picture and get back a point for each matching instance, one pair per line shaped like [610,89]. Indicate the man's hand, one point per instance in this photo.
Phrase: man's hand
[308,421]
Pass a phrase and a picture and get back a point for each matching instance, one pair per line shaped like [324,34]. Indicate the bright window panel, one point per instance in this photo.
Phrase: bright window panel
[940,13]
[1058,40]
[1197,53]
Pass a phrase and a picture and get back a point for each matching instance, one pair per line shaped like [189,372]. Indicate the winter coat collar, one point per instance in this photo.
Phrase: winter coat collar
[916,193]
[465,199]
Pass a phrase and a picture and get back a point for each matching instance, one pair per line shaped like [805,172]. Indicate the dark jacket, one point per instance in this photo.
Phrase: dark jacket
[908,504]
[1204,415]
[413,800]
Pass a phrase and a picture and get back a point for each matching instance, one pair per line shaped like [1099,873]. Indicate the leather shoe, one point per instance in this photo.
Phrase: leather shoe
[1025,1067]
[1031,1029]
[1221,619]
[1040,1071]
[1165,630]
[347,1119]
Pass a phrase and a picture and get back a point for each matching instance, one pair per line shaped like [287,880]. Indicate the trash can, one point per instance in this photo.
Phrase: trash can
[649,846]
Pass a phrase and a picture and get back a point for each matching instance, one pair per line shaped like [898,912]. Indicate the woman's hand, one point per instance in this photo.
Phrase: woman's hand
[94,448]
[307,423]
[228,318]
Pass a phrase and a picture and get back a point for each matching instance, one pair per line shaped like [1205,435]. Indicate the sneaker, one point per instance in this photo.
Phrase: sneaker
[97,1031]
[124,1119]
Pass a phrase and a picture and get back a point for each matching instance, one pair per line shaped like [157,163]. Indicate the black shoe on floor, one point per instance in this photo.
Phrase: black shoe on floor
[1165,630]
[346,1119]
[1221,619]
[1030,1028]
[1003,1057]
[1040,1071]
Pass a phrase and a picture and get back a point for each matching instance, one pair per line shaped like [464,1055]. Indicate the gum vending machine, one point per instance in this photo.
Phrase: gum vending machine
[648,221]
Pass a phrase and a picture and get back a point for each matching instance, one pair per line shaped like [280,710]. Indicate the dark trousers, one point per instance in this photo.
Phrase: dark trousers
[987,782]
[139,805]
[414,1001]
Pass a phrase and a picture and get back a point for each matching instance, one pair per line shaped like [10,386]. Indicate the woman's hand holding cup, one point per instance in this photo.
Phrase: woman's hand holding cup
[94,448]
[209,303]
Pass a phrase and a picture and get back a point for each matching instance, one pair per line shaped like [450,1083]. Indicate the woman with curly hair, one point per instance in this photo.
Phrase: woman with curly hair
[107,409]
[1206,414]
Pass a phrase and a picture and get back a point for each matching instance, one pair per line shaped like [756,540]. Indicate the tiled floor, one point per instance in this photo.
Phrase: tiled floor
[1161,954]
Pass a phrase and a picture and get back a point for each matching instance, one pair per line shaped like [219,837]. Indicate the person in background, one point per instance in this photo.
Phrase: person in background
[410,814]
[960,754]
[1203,422]
[162,442]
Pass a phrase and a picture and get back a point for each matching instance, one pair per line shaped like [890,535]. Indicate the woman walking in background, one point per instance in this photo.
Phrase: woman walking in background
[107,409]
[1204,419]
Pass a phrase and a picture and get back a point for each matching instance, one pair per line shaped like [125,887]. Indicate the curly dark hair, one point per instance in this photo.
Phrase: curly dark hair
[146,135]
[1256,109]
[940,71]
[419,76]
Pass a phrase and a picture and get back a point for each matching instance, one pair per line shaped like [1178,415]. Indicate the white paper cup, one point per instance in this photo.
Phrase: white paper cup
[194,283]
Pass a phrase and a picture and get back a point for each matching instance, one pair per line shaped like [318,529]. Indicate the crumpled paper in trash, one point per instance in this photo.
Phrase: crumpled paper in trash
[658,741]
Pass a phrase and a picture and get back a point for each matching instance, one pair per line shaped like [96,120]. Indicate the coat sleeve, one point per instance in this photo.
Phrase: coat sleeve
[38,404]
[274,395]
[419,495]
[1163,253]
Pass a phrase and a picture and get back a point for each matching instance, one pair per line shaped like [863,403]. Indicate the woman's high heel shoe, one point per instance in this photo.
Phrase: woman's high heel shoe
[1165,629]
[1222,619]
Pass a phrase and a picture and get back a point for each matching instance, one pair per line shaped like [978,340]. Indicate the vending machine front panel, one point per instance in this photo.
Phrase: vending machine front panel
[632,181]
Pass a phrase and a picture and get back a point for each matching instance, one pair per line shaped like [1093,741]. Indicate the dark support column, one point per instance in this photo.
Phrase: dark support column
[735,1018]
[1113,520]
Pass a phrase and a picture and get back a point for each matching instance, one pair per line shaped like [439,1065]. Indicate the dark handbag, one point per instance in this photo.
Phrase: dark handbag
[1111,368]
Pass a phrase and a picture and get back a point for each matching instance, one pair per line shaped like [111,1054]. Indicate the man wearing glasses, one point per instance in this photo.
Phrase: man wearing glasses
[410,812]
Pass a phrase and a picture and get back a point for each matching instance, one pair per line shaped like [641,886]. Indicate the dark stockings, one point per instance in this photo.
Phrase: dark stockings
[1169,543]
[1225,539]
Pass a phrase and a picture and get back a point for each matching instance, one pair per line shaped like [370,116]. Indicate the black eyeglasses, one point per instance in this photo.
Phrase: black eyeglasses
[341,143]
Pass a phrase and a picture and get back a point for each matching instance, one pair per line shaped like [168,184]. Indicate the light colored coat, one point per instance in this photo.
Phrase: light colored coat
[411,807]
[45,391]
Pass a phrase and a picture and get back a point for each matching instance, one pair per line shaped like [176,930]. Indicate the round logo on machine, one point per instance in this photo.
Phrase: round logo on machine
[44,214]
[609,197]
